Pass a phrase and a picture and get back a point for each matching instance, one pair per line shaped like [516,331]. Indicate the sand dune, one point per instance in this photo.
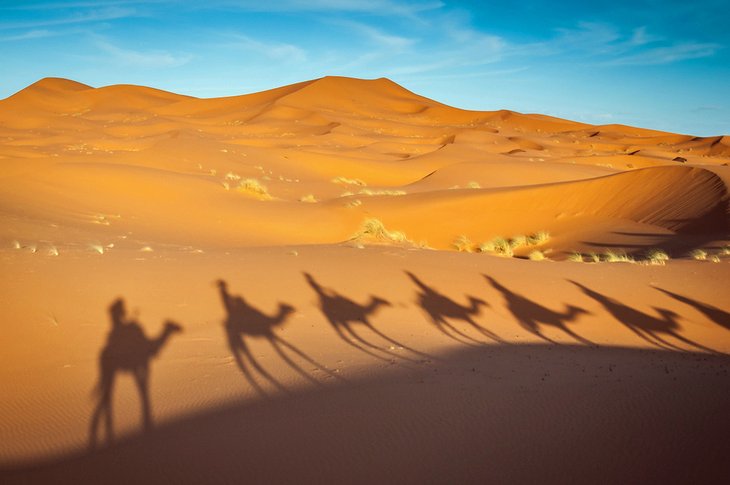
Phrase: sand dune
[359,284]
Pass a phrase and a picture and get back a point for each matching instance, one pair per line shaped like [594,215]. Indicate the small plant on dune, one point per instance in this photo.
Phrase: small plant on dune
[354,203]
[594,257]
[575,257]
[657,256]
[617,257]
[537,255]
[473,185]
[348,181]
[308,198]
[698,254]
[463,244]
[715,258]
[518,241]
[499,246]
[374,229]
[725,250]
[372,192]
[253,187]
[232,177]
[538,238]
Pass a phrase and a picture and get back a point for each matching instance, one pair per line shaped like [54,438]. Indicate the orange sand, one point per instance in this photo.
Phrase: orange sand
[343,356]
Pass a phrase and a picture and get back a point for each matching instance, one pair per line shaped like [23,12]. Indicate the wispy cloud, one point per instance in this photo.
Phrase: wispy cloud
[667,54]
[606,45]
[29,35]
[96,15]
[145,59]
[271,50]
[373,7]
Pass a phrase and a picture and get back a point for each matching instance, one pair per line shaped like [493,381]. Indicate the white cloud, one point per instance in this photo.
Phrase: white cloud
[667,54]
[272,50]
[153,59]
[98,15]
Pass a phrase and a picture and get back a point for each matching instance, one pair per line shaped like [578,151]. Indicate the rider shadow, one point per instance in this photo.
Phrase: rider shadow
[344,315]
[127,349]
[649,328]
[439,308]
[718,316]
[531,316]
[244,321]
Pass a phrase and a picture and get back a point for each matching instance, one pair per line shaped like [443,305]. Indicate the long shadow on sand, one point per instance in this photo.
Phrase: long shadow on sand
[440,309]
[127,349]
[531,316]
[345,316]
[649,328]
[512,426]
[243,321]
[718,316]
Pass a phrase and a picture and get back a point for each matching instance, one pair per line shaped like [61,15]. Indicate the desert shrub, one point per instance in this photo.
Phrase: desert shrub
[698,254]
[617,257]
[374,229]
[657,256]
[537,255]
[348,181]
[308,198]
[575,257]
[463,244]
[253,187]
[715,258]
[498,245]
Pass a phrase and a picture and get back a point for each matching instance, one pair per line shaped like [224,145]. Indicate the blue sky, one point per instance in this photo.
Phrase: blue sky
[655,64]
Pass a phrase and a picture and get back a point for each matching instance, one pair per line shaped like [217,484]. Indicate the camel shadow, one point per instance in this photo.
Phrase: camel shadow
[718,316]
[127,349]
[649,328]
[532,316]
[244,321]
[440,309]
[344,315]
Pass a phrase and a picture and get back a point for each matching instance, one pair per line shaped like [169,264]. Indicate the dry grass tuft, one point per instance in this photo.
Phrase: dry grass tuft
[657,257]
[463,244]
[348,181]
[698,254]
[617,257]
[308,198]
[499,246]
[374,230]
[253,187]
[537,255]
[575,257]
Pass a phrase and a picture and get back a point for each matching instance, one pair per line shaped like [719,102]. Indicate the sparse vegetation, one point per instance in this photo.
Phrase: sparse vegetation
[657,256]
[594,257]
[698,254]
[499,246]
[372,192]
[464,244]
[575,257]
[537,255]
[725,250]
[374,230]
[715,258]
[308,198]
[354,203]
[253,187]
[617,257]
[348,181]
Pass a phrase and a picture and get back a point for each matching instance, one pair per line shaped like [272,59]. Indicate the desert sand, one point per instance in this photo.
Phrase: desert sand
[341,281]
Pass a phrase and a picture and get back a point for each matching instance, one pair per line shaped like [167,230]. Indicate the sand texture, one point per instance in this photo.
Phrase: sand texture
[341,281]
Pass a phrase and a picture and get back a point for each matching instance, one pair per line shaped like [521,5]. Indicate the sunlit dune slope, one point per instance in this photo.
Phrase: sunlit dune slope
[309,162]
